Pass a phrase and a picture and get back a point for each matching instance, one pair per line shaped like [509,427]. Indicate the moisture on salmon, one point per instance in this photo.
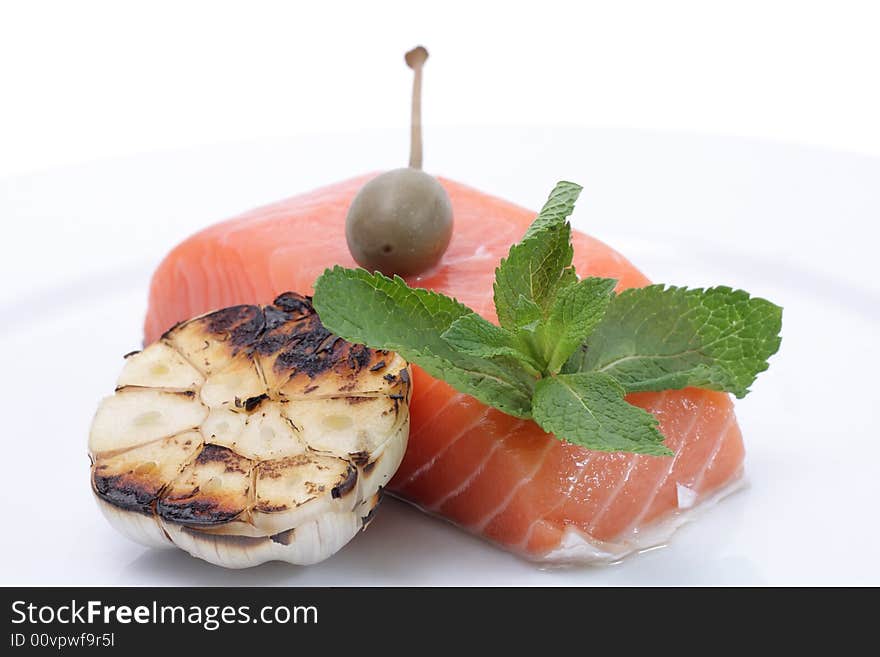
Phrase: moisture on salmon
[501,478]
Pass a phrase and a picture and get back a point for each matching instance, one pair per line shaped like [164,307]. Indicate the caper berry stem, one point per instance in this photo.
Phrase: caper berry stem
[415,59]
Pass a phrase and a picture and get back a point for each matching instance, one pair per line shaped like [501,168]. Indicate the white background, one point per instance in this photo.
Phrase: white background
[84,80]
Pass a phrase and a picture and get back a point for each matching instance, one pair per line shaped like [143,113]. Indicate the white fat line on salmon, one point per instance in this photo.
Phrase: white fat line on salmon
[633,462]
[473,475]
[573,481]
[576,547]
[424,392]
[502,507]
[695,415]
[430,464]
[722,435]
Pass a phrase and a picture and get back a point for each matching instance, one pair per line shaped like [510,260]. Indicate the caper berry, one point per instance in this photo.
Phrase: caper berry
[399,223]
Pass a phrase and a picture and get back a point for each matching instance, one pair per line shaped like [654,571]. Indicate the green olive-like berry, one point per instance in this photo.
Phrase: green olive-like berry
[399,223]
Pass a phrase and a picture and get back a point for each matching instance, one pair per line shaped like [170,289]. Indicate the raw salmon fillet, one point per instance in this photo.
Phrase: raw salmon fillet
[501,478]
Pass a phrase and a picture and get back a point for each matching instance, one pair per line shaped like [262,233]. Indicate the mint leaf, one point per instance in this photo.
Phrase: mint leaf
[540,264]
[662,338]
[534,269]
[605,346]
[385,313]
[589,410]
[575,312]
[471,334]
[558,208]
[526,314]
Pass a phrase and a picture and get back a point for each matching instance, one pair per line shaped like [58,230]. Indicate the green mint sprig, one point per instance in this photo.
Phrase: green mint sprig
[567,350]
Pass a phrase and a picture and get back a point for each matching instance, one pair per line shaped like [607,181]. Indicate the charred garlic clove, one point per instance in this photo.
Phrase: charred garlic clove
[250,434]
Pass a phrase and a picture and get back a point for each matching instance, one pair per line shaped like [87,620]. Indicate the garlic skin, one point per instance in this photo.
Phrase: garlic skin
[250,434]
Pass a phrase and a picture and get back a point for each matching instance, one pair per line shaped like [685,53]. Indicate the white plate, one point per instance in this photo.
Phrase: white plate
[796,225]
